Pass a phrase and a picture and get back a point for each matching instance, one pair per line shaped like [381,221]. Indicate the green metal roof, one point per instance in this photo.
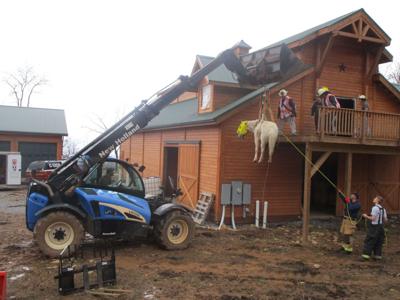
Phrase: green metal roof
[307,32]
[185,113]
[220,74]
[310,31]
[32,120]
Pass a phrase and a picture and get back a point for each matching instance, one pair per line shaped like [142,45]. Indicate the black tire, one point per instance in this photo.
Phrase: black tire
[174,231]
[57,230]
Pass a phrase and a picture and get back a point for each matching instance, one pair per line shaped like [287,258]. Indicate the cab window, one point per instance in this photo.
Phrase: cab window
[113,175]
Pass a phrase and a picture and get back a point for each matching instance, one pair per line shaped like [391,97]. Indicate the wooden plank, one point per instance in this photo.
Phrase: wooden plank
[320,162]
[324,55]
[366,38]
[307,193]
[362,149]
[365,30]
[354,28]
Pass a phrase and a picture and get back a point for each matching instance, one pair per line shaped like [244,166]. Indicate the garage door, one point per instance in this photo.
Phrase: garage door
[5,146]
[36,151]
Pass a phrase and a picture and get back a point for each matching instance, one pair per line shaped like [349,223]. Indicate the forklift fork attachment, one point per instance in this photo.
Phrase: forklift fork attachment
[104,269]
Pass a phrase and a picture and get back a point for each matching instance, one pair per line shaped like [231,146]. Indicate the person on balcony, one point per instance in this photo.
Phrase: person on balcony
[286,112]
[364,103]
[329,100]
[352,208]
[365,107]
[317,104]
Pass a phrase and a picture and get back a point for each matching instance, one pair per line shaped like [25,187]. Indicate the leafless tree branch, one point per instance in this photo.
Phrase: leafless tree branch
[23,84]
[98,125]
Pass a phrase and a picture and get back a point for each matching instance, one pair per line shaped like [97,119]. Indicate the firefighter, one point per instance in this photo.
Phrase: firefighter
[317,104]
[349,223]
[364,103]
[286,112]
[376,232]
[328,99]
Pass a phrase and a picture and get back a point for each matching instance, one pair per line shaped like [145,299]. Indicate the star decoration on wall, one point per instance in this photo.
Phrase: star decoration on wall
[342,67]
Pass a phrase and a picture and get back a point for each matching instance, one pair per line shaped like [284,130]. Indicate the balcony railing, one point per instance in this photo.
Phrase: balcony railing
[357,124]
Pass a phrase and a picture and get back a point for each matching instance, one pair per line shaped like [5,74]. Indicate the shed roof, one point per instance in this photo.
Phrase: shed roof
[15,119]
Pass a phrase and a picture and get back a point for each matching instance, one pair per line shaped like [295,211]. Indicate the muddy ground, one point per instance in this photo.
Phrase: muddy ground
[246,264]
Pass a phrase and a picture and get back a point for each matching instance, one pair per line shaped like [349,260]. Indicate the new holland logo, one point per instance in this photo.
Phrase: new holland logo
[129,214]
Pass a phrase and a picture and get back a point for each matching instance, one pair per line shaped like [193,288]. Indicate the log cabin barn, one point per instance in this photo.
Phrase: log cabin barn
[194,140]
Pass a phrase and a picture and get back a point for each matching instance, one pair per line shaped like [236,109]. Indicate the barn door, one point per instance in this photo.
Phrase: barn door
[188,174]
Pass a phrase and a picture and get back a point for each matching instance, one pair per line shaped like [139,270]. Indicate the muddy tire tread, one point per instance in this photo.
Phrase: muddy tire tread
[43,223]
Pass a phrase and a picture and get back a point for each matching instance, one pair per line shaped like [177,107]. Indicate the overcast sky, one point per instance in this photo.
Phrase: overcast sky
[103,57]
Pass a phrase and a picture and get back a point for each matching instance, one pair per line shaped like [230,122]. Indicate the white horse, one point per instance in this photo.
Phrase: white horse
[265,133]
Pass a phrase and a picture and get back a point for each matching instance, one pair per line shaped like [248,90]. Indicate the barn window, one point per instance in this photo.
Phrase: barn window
[346,102]
[206,97]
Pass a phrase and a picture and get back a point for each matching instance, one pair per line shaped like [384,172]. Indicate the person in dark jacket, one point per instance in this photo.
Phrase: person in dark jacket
[376,232]
[317,104]
[352,208]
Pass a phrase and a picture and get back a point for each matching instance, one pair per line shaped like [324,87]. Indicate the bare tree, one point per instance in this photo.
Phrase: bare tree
[99,125]
[70,147]
[393,73]
[23,83]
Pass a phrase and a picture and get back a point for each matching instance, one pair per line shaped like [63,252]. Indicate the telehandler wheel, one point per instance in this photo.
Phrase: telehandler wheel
[175,230]
[56,231]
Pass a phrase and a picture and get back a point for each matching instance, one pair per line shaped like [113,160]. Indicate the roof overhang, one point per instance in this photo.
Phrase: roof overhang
[33,133]
[388,85]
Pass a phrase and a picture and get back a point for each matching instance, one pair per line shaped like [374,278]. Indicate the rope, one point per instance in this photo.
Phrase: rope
[323,175]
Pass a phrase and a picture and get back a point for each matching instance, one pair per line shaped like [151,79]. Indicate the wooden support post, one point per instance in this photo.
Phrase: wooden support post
[375,63]
[348,173]
[324,55]
[320,162]
[306,192]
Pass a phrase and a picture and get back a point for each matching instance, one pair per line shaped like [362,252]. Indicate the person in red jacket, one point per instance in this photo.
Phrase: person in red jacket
[286,112]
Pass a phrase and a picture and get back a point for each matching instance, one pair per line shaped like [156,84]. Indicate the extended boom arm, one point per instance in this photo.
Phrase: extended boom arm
[71,172]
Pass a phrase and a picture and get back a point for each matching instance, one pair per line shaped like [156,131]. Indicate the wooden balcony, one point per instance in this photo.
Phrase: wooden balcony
[363,127]
[349,126]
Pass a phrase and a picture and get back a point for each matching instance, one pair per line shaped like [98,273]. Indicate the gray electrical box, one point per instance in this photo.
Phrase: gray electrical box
[246,193]
[237,192]
[226,194]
